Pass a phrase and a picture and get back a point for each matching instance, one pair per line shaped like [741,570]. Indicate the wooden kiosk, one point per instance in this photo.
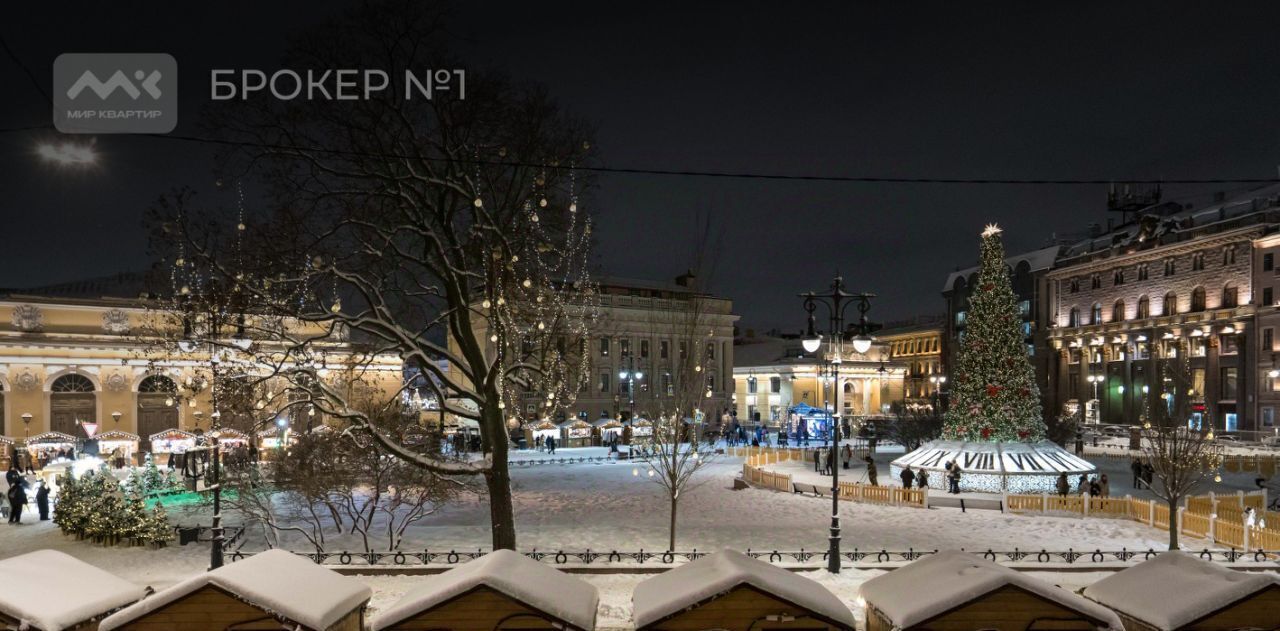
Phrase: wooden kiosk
[269,590]
[125,442]
[574,433]
[501,590]
[729,590]
[1177,591]
[52,591]
[957,590]
[540,429]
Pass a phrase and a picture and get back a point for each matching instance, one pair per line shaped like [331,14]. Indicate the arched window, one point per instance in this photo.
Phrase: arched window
[848,387]
[157,384]
[72,401]
[1117,278]
[1095,315]
[1117,311]
[157,409]
[1144,308]
[1073,319]
[1197,299]
[1230,295]
[1170,306]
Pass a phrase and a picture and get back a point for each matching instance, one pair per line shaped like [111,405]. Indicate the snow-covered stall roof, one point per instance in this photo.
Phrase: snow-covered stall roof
[277,581]
[697,581]
[937,583]
[550,591]
[52,591]
[1143,591]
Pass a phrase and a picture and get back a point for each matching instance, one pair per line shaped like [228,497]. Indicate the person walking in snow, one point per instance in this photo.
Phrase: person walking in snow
[1148,472]
[922,478]
[817,461]
[1104,486]
[42,500]
[17,499]
[551,445]
[908,477]
[954,477]
[871,471]
[1064,485]
[846,455]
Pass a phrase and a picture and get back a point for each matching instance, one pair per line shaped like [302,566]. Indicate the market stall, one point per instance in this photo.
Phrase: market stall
[575,433]
[230,438]
[640,431]
[117,448]
[7,453]
[171,441]
[609,429]
[50,447]
[535,432]
[273,438]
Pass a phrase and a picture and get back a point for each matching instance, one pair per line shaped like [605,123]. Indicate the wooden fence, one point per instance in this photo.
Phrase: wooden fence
[755,458]
[1218,518]
[1265,464]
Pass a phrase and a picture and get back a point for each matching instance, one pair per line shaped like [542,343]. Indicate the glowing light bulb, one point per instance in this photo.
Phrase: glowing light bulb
[185,290]
[240,226]
[180,262]
[635,471]
[541,326]
[168,401]
[527,283]
[542,203]
[534,218]
[573,208]
[493,338]
[479,203]
[1217,478]
[486,304]
[337,305]
[501,405]
[651,473]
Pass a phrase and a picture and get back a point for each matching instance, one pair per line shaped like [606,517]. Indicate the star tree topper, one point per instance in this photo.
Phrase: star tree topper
[991,229]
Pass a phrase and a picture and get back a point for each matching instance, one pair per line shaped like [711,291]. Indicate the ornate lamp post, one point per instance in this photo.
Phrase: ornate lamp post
[836,300]
[631,375]
[198,465]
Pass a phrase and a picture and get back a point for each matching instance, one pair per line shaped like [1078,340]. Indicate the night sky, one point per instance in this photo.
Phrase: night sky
[906,89]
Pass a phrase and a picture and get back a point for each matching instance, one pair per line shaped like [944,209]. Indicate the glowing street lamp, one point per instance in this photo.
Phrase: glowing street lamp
[67,154]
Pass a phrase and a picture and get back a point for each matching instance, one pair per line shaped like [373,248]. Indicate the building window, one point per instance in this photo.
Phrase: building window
[1075,285]
[664,349]
[1228,345]
[1268,262]
[1095,315]
[603,384]
[751,385]
[1267,297]
[1073,318]
[1229,255]
[1143,272]
[624,347]
[959,318]
[668,386]
[775,385]
[604,347]
[644,349]
[1228,385]
[1095,282]
[1117,311]
[1024,308]
[1230,296]
[1117,278]
[1268,341]
[1144,308]
[1197,261]
[1170,268]
[1170,306]
[1197,299]
[1268,417]
[1196,346]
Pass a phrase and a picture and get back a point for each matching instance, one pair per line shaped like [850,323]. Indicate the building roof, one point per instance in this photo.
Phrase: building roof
[940,582]
[768,351]
[1041,259]
[1157,221]
[53,591]
[921,324]
[123,285]
[680,588]
[533,583]
[277,581]
[1201,588]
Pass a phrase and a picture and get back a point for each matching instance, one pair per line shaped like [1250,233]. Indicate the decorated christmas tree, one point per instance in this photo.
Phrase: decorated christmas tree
[994,397]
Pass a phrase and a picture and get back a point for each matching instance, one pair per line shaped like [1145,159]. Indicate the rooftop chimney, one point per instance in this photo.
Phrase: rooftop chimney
[686,279]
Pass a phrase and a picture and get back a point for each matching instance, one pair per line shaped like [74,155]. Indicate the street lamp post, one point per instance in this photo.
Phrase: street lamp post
[1097,405]
[836,300]
[631,375]
[197,466]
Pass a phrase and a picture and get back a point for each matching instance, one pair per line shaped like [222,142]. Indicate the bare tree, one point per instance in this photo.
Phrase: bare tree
[912,429]
[674,454]
[446,228]
[1181,456]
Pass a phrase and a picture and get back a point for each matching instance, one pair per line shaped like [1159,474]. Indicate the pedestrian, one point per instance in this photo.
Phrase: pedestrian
[817,461]
[551,445]
[1095,489]
[871,471]
[847,455]
[955,477]
[1104,486]
[1148,473]
[922,478]
[1082,485]
[908,477]
[824,459]
[17,499]
[1064,485]
[42,500]
[13,475]
[1136,468]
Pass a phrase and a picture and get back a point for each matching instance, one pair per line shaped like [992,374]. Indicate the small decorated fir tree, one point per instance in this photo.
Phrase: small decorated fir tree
[152,480]
[158,532]
[994,396]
